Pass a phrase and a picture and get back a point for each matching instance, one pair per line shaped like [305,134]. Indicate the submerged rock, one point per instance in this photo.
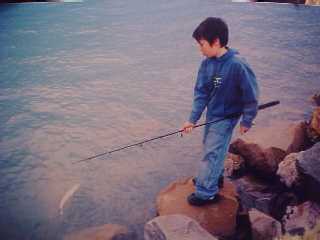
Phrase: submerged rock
[175,227]
[218,219]
[104,232]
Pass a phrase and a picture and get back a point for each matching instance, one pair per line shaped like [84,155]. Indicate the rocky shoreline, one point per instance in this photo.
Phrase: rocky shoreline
[271,191]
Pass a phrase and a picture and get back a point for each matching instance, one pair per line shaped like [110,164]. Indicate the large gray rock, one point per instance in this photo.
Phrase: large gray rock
[175,227]
[264,227]
[308,165]
[267,198]
[300,218]
[288,172]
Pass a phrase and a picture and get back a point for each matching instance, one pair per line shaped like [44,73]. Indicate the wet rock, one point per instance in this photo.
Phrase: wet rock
[104,232]
[288,172]
[300,218]
[267,198]
[264,227]
[300,140]
[313,130]
[313,2]
[262,162]
[175,227]
[243,231]
[308,165]
[219,219]
[287,136]
[234,165]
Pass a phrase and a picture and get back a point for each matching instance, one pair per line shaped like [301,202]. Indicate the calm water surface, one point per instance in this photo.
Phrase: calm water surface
[80,79]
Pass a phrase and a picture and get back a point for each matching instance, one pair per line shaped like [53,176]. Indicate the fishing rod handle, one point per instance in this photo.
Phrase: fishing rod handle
[269,104]
[260,107]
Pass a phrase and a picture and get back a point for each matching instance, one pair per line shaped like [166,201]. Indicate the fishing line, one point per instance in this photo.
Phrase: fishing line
[260,107]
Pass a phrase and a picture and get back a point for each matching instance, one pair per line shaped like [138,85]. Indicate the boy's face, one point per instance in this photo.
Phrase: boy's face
[209,50]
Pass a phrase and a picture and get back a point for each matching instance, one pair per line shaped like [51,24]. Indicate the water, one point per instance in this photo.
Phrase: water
[79,79]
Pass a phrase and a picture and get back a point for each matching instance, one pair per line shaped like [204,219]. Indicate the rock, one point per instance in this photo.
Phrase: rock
[308,165]
[175,227]
[104,232]
[286,136]
[270,199]
[288,172]
[316,97]
[300,218]
[219,219]
[234,165]
[262,163]
[312,2]
[313,130]
[300,141]
[243,225]
[315,121]
[264,227]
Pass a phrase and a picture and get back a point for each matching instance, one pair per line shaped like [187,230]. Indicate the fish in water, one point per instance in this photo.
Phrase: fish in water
[67,196]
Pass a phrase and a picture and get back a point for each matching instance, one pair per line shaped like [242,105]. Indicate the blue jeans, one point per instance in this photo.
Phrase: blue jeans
[216,140]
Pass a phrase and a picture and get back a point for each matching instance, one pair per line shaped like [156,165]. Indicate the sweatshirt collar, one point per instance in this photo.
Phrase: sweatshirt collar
[230,53]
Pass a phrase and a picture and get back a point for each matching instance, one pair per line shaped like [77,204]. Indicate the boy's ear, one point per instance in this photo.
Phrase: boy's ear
[215,42]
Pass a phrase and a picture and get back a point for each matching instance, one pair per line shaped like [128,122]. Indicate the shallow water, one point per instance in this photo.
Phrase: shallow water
[80,79]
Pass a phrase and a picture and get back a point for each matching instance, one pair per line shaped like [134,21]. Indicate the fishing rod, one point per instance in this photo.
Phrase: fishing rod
[260,107]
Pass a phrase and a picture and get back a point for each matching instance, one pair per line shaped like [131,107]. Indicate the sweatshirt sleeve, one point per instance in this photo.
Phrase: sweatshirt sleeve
[201,95]
[250,95]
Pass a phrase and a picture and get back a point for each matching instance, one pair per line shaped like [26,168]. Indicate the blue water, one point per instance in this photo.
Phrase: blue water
[78,79]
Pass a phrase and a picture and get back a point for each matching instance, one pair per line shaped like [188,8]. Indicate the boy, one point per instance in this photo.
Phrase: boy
[225,85]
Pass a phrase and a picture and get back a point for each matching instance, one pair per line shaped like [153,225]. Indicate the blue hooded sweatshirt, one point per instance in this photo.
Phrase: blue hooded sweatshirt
[225,85]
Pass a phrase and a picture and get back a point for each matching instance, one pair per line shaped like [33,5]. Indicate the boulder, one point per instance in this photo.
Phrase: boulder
[104,232]
[175,227]
[288,172]
[234,165]
[300,140]
[316,97]
[315,121]
[299,219]
[308,165]
[262,162]
[267,198]
[287,136]
[264,227]
[219,219]
[312,2]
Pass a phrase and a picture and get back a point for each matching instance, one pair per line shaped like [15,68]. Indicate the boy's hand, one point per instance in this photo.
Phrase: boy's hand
[243,129]
[187,127]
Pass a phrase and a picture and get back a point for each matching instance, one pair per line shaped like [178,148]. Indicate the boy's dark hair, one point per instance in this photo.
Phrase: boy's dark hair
[211,29]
